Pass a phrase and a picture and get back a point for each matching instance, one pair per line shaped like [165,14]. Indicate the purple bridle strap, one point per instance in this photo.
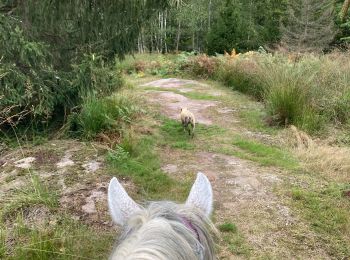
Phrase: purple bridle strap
[190,226]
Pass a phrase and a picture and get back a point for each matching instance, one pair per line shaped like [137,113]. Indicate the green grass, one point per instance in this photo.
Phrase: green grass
[2,241]
[36,194]
[53,236]
[266,155]
[63,239]
[238,245]
[199,96]
[141,163]
[228,227]
[255,119]
[327,211]
[176,137]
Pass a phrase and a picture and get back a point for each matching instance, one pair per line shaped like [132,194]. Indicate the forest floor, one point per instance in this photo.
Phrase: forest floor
[265,204]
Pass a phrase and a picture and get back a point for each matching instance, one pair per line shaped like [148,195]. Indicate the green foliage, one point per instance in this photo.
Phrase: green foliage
[242,75]
[100,114]
[53,53]
[119,154]
[34,91]
[245,25]
[28,87]
[309,25]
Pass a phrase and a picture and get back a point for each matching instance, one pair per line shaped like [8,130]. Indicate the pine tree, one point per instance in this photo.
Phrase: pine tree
[246,25]
[309,26]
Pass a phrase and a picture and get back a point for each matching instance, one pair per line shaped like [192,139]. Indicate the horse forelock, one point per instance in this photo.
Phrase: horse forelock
[165,230]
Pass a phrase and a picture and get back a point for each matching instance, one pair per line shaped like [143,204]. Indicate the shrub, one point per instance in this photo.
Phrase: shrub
[241,75]
[100,114]
[32,91]
[27,79]
[201,66]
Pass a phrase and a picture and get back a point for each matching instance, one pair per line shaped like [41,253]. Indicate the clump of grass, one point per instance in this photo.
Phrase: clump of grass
[328,213]
[228,227]
[63,239]
[202,66]
[37,194]
[2,241]
[241,75]
[101,114]
[333,162]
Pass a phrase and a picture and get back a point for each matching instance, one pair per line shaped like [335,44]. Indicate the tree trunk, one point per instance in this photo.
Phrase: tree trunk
[165,36]
[178,36]
[209,15]
[193,41]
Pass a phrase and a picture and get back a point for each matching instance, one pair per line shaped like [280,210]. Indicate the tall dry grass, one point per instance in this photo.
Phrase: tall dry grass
[308,91]
[318,156]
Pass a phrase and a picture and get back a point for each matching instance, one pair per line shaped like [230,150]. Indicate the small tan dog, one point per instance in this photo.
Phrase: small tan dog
[188,121]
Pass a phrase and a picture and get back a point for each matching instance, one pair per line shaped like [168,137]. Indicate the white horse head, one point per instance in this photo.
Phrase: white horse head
[164,230]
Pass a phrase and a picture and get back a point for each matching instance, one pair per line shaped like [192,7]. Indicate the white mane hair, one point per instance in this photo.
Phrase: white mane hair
[164,230]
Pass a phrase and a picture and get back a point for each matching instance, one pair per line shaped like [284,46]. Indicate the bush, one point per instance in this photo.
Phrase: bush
[201,66]
[32,91]
[242,75]
[28,86]
[101,114]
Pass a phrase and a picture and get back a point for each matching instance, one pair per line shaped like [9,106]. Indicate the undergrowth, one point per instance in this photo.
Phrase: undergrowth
[103,114]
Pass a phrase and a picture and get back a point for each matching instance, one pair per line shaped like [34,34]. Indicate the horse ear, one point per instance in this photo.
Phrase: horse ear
[201,194]
[121,206]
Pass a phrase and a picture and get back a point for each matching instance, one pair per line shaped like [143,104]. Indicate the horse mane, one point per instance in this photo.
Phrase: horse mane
[165,230]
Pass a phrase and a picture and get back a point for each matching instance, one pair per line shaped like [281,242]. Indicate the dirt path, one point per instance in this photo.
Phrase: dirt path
[243,190]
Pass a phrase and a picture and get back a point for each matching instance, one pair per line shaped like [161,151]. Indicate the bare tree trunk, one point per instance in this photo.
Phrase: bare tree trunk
[152,47]
[178,36]
[344,10]
[143,43]
[160,31]
[193,40]
[165,36]
[139,49]
[209,15]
